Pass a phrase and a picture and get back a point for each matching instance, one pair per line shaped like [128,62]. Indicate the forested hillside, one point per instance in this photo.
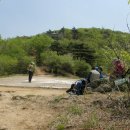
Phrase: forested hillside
[64,51]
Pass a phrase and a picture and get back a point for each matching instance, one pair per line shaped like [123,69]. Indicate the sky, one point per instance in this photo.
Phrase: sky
[31,17]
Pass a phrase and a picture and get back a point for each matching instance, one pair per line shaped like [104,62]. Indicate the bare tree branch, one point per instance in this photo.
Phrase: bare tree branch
[127,21]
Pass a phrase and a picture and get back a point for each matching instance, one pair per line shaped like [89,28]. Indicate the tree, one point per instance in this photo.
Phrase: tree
[74,33]
[62,32]
[60,46]
[38,44]
[82,51]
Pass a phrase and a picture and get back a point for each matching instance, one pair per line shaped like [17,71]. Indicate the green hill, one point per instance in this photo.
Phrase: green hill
[65,51]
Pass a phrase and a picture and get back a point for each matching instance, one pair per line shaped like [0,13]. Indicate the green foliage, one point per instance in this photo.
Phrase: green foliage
[82,68]
[8,65]
[61,64]
[56,63]
[60,127]
[60,46]
[67,63]
[23,63]
[74,33]
[126,57]
[12,48]
[68,50]
[52,60]
[37,45]
[82,51]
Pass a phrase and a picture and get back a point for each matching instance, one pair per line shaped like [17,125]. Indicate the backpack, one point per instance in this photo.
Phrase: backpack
[118,68]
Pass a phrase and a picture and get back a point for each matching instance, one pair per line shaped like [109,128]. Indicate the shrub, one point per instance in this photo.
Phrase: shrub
[82,68]
[51,60]
[8,64]
[58,64]
[67,64]
[22,64]
[61,64]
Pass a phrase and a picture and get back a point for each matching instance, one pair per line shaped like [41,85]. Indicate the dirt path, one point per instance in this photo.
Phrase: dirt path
[32,91]
[30,107]
[25,106]
[43,81]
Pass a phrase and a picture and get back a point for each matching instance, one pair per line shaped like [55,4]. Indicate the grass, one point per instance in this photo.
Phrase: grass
[81,114]
[57,99]
[91,122]
[62,121]
[60,127]
[75,110]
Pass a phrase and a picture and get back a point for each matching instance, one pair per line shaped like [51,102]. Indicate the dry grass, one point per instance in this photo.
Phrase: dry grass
[93,111]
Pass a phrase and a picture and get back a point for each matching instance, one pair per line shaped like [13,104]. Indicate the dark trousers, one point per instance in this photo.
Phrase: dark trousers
[30,73]
[71,89]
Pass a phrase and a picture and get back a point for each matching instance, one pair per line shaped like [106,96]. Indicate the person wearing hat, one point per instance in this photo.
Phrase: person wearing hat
[31,69]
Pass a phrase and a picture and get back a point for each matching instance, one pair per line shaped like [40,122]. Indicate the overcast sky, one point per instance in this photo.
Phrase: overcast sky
[30,17]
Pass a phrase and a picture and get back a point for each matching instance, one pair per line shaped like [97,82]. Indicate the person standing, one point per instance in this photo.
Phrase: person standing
[31,69]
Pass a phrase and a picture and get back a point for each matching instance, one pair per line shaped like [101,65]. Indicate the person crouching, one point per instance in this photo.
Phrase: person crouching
[78,87]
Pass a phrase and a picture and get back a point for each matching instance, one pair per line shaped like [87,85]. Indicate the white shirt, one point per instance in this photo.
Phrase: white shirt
[95,75]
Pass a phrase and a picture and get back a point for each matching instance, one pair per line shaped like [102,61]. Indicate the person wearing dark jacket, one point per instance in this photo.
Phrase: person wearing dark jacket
[78,87]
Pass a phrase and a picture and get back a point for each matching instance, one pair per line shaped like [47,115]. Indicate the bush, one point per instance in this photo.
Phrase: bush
[67,64]
[51,60]
[23,62]
[62,64]
[8,64]
[82,68]
[58,64]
